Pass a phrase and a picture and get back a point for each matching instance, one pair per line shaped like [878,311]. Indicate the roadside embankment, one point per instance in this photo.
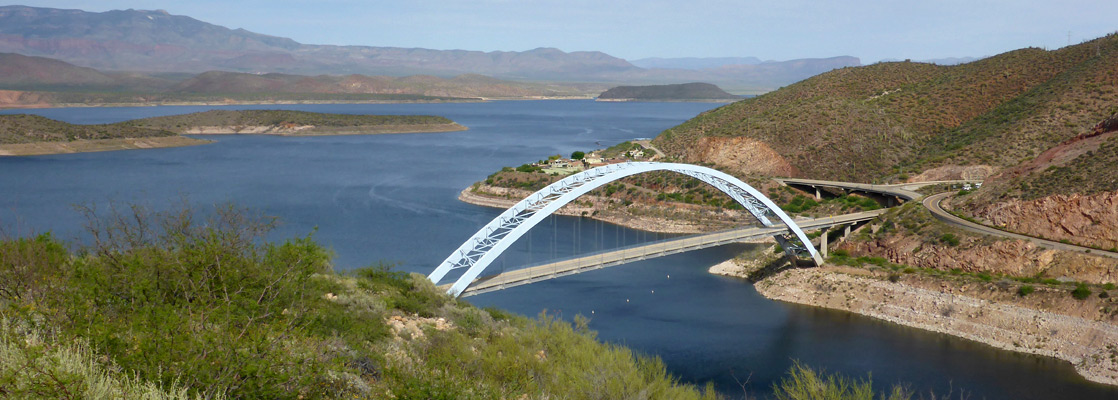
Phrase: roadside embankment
[94,145]
[1047,322]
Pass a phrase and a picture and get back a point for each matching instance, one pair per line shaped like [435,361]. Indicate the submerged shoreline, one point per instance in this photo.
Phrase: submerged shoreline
[97,145]
[1090,345]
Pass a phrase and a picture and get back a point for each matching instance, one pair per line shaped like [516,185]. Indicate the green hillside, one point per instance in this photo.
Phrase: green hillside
[23,128]
[890,120]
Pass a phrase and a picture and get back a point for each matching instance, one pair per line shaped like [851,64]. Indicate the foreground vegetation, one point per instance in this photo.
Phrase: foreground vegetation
[182,306]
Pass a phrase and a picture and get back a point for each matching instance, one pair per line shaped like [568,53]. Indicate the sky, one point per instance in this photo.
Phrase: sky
[872,30]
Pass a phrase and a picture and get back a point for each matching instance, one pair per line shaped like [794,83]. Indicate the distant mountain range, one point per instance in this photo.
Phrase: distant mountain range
[155,41]
[694,63]
[55,81]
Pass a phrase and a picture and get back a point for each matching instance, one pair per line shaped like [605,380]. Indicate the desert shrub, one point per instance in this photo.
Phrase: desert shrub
[1081,292]
[201,302]
[529,168]
[949,239]
[1025,290]
[799,204]
[34,364]
[804,383]
[30,267]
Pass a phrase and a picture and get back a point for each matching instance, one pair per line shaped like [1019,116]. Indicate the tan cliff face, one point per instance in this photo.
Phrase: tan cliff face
[1090,220]
[21,99]
[1010,257]
[741,154]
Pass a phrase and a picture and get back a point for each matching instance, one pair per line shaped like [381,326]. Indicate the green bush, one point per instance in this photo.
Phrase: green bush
[1081,292]
[529,168]
[799,204]
[1025,290]
[949,239]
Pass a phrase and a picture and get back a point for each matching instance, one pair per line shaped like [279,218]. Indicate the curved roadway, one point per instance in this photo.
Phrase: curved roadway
[932,204]
[907,191]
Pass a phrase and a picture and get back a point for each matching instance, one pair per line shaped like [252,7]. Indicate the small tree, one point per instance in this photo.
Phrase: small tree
[578,155]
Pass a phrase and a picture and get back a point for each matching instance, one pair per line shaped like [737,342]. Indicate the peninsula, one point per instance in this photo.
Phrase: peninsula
[24,135]
[294,123]
[696,91]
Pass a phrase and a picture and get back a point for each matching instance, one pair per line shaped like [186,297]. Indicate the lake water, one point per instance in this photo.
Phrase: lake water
[393,198]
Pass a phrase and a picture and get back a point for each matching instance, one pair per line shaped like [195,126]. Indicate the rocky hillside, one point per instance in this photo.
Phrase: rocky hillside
[892,121]
[41,73]
[41,81]
[684,91]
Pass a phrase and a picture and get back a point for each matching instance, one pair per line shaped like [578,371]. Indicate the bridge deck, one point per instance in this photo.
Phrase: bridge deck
[666,247]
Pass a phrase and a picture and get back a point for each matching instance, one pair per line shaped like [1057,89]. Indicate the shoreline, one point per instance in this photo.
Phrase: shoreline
[1091,346]
[97,145]
[310,130]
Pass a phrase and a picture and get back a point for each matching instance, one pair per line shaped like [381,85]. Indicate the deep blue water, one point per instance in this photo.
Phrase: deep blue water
[393,198]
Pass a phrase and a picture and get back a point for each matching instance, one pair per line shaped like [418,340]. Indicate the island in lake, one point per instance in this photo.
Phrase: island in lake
[22,134]
[678,92]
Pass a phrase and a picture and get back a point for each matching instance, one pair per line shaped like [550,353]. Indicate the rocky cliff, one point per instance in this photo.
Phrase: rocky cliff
[1088,220]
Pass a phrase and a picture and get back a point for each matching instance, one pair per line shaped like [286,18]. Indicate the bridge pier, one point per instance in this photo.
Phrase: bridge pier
[818,195]
[823,242]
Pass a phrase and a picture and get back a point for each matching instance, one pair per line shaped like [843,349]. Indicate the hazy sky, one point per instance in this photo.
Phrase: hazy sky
[769,29]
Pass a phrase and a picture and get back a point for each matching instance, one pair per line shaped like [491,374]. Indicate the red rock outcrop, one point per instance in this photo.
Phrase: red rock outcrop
[1011,257]
[1090,220]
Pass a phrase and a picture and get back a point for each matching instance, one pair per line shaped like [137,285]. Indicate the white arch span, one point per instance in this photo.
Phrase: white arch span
[489,242]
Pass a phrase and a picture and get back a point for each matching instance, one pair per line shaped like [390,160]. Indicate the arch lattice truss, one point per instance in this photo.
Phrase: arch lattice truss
[488,243]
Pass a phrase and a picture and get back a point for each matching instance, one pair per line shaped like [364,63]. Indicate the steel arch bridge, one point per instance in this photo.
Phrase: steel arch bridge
[494,238]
